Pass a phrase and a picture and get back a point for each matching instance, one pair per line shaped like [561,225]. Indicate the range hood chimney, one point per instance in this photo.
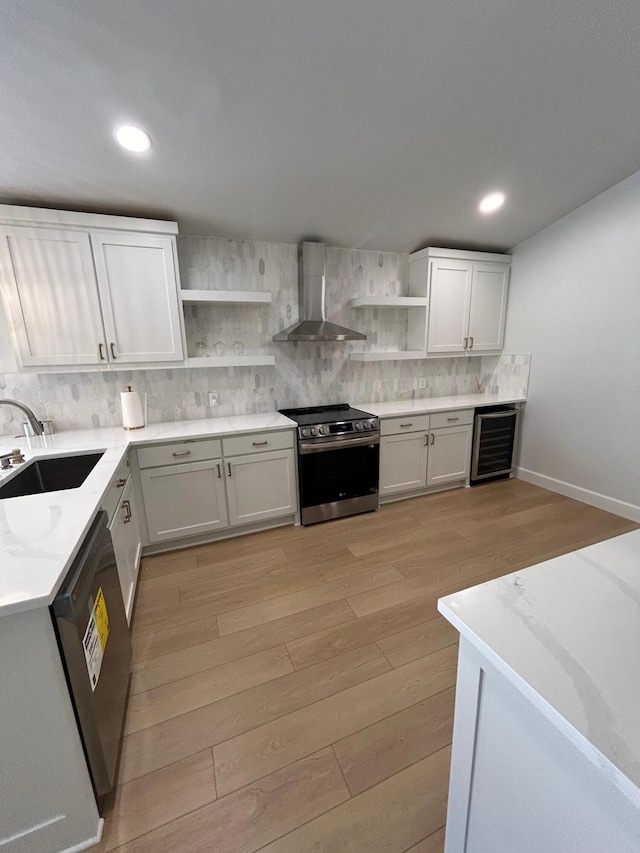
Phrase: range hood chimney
[312,325]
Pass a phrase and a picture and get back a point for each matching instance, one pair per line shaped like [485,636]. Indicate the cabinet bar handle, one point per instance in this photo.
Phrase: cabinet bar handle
[466,342]
[407,425]
[426,439]
[471,342]
[433,438]
[229,468]
[181,453]
[126,506]
[112,347]
[121,483]
[101,352]
[260,443]
[219,474]
[451,420]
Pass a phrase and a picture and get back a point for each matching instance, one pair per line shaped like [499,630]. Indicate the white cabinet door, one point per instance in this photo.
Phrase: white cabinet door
[261,486]
[488,306]
[449,454]
[138,290]
[50,290]
[184,500]
[403,463]
[132,542]
[127,544]
[450,297]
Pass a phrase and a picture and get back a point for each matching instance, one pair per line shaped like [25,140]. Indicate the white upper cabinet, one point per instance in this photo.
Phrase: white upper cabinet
[488,306]
[48,281]
[140,302]
[449,305]
[467,299]
[90,292]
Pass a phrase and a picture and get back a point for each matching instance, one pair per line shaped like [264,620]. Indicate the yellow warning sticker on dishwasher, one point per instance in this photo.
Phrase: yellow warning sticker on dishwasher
[95,638]
[102,618]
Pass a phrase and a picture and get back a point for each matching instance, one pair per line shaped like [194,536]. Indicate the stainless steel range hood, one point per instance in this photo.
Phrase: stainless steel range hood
[312,325]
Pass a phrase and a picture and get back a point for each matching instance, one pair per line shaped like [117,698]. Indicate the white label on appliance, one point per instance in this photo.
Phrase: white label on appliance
[92,651]
[95,639]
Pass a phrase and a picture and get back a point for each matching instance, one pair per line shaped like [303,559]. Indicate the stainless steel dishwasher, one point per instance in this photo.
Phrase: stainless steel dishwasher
[93,636]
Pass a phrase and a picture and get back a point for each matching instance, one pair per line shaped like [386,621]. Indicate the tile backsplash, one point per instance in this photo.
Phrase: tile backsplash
[304,374]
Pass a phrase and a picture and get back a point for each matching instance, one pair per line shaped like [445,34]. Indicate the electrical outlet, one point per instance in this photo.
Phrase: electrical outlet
[214,399]
[422,382]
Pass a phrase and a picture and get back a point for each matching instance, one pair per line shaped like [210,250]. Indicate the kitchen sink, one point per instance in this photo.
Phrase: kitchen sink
[50,475]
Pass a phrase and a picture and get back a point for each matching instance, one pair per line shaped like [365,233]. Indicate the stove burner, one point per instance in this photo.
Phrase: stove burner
[316,422]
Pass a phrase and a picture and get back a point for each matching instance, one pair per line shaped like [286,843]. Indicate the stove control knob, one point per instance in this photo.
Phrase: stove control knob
[314,430]
[372,424]
[324,430]
[359,425]
[306,432]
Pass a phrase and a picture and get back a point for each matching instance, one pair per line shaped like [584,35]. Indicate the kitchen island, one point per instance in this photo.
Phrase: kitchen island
[546,746]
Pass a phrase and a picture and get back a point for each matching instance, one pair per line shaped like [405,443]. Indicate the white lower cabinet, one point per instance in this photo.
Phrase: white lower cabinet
[449,454]
[423,451]
[261,486]
[252,478]
[184,499]
[127,545]
[403,462]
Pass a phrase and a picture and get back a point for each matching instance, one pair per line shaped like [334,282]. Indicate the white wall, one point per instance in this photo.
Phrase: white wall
[574,303]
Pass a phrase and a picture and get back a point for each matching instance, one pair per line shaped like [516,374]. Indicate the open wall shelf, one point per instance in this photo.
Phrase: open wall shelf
[226,297]
[389,302]
[388,355]
[233,361]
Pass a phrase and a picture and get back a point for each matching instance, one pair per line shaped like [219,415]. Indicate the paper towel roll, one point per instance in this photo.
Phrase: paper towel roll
[132,409]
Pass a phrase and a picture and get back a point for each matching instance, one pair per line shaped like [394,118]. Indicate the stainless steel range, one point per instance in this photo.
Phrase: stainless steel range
[338,461]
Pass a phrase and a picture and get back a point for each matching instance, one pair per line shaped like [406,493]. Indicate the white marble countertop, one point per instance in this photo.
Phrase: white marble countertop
[566,633]
[40,534]
[431,405]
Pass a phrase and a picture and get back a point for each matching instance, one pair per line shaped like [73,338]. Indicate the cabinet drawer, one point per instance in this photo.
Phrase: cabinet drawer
[185,451]
[116,487]
[408,423]
[449,419]
[239,445]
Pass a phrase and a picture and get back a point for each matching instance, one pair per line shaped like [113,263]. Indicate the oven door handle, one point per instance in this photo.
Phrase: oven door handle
[336,444]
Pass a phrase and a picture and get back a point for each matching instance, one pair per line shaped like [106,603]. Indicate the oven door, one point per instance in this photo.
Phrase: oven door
[338,477]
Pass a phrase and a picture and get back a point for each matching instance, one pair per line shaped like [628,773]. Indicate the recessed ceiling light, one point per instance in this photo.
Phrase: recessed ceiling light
[492,202]
[133,139]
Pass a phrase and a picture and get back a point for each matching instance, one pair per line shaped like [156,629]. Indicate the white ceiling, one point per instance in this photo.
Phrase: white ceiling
[369,123]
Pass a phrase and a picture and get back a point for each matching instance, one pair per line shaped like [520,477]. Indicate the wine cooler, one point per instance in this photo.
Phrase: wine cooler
[494,438]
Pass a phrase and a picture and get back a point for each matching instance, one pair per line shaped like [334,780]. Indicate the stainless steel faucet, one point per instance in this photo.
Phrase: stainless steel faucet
[36,426]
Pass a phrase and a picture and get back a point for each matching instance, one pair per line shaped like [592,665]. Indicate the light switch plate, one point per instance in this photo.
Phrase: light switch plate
[214,399]
[422,382]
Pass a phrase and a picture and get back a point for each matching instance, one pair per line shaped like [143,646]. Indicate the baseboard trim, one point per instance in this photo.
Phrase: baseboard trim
[153,548]
[613,505]
[90,842]
[418,493]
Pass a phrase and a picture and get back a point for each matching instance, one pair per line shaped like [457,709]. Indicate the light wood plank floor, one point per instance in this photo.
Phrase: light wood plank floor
[293,690]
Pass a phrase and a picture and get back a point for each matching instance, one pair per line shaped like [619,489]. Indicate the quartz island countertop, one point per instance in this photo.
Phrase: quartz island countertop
[566,634]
